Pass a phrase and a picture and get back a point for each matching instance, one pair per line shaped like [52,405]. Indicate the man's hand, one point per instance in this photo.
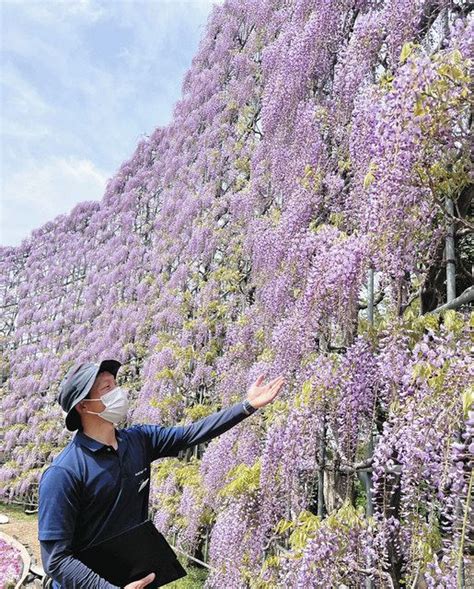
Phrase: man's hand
[260,394]
[141,582]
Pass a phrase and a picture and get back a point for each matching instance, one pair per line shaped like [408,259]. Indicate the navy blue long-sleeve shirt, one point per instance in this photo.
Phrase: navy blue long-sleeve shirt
[79,499]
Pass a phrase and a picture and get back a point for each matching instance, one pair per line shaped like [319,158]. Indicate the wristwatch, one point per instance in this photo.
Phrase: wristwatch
[248,407]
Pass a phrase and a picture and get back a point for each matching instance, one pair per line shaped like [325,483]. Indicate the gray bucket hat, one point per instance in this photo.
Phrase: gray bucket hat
[76,385]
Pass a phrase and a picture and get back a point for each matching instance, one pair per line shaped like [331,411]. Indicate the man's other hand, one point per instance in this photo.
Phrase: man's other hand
[141,582]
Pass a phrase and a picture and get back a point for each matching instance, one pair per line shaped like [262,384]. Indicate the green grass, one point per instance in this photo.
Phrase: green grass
[193,580]
[16,512]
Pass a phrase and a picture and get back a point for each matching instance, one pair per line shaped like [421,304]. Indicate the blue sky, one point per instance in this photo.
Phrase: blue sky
[81,82]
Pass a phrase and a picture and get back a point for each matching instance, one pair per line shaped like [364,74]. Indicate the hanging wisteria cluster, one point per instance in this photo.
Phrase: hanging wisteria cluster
[316,144]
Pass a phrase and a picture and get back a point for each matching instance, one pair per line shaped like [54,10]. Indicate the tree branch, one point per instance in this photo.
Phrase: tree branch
[463,299]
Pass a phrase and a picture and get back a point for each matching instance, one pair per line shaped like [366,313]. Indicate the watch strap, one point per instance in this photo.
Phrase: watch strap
[248,407]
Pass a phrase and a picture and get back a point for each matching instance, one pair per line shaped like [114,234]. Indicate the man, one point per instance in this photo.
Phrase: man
[99,485]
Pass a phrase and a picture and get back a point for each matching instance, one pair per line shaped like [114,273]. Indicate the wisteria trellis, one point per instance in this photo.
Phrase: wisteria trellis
[314,141]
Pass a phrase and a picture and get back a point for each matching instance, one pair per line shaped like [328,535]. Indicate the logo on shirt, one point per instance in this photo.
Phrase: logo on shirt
[143,485]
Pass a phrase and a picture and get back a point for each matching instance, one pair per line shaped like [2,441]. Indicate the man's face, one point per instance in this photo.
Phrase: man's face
[103,384]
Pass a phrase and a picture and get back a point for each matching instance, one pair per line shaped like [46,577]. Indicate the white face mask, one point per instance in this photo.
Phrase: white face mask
[116,405]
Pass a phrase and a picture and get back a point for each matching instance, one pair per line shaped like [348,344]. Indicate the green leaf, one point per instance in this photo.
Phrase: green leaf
[457,57]
[467,401]
[419,111]
[369,178]
[246,479]
[303,398]
[454,321]
[283,525]
[407,50]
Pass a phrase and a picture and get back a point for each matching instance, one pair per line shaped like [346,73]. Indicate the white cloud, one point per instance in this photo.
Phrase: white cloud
[24,130]
[159,26]
[24,95]
[51,11]
[41,191]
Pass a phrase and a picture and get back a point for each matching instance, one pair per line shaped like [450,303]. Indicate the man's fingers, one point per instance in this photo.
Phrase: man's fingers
[275,380]
[147,580]
[275,388]
[260,379]
[141,582]
[278,387]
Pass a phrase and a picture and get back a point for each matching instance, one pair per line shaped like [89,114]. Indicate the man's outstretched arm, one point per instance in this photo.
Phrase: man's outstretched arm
[168,441]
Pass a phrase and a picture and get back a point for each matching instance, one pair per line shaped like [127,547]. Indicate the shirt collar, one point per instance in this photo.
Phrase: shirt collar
[95,445]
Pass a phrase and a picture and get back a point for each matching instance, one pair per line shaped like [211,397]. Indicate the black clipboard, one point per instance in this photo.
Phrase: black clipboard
[132,555]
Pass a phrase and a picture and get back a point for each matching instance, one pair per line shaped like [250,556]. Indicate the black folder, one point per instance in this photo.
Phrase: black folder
[132,555]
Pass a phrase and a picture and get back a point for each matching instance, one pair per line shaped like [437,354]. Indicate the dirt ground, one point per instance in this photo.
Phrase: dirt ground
[23,527]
